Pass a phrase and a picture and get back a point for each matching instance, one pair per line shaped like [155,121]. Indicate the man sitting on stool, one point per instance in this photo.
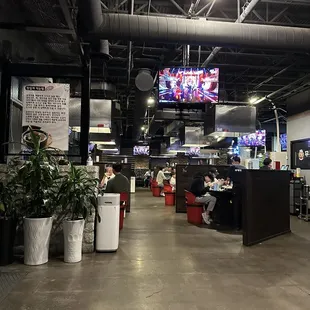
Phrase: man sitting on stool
[199,189]
[119,184]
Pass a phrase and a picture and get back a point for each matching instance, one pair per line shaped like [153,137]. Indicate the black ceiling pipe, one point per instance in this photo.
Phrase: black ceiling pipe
[200,32]
[90,18]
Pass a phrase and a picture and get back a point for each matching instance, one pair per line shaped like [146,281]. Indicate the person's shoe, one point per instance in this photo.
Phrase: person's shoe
[206,218]
[162,195]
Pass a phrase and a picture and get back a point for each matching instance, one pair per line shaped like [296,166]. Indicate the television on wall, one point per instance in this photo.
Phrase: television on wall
[300,154]
[141,150]
[188,85]
[193,151]
[255,139]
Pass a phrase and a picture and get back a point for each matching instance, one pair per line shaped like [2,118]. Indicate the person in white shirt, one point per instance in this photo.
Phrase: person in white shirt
[173,181]
[160,180]
[107,176]
[146,179]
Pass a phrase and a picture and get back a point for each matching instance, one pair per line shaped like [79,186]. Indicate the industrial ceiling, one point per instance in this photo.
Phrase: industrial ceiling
[268,72]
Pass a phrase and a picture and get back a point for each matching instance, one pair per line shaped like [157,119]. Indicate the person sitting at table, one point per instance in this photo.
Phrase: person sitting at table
[173,180]
[266,164]
[107,176]
[215,173]
[147,177]
[119,184]
[199,189]
[160,180]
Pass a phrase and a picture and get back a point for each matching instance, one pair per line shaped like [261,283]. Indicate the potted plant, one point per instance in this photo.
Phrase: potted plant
[38,177]
[78,198]
[9,195]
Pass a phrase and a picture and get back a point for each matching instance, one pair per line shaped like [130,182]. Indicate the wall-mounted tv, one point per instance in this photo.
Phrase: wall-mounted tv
[300,154]
[283,141]
[193,151]
[188,85]
[255,139]
[139,150]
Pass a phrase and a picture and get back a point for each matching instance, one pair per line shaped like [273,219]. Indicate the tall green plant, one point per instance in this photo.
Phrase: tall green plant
[78,193]
[39,178]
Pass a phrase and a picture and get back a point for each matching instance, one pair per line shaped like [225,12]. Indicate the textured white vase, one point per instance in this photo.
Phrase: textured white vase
[73,237]
[37,233]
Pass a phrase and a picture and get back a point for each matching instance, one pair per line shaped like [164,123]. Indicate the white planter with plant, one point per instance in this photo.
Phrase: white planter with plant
[78,198]
[38,177]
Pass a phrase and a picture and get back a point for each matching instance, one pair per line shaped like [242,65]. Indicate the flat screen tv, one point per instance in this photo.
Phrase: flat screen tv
[139,150]
[255,139]
[300,154]
[283,142]
[188,85]
[193,151]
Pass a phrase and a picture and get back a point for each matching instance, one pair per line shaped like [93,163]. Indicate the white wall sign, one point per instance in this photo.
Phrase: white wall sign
[46,111]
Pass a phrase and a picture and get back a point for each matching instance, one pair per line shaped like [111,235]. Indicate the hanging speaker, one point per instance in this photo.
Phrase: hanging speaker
[144,80]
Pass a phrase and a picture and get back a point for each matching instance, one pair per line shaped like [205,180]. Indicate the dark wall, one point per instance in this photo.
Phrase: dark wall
[184,178]
[265,204]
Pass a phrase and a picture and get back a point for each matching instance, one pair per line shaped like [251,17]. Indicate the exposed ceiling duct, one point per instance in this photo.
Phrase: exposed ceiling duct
[200,32]
[90,18]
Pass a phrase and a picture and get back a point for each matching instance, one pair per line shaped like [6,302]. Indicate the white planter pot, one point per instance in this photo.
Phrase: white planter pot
[73,237]
[37,232]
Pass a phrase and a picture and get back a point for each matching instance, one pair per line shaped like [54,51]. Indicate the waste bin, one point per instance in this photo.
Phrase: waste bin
[107,231]
[169,198]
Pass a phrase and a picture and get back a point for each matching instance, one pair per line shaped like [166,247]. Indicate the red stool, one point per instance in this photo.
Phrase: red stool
[153,185]
[156,191]
[167,188]
[193,209]
[124,203]
[169,198]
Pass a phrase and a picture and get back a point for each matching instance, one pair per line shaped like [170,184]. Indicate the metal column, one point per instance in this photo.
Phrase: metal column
[85,105]
[5,101]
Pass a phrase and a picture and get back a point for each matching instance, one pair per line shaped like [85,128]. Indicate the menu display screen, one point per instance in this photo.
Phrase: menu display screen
[255,139]
[300,154]
[188,85]
[141,150]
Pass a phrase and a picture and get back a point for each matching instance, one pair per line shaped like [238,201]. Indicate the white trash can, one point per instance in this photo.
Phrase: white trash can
[107,231]
[132,184]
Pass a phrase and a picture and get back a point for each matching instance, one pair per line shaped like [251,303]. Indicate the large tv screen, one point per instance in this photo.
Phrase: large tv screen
[141,150]
[255,139]
[188,85]
[300,154]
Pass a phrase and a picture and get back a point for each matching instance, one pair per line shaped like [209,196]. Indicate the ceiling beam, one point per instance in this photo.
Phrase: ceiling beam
[240,19]
[178,7]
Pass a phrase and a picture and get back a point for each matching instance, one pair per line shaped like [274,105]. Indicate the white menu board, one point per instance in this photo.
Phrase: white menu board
[46,111]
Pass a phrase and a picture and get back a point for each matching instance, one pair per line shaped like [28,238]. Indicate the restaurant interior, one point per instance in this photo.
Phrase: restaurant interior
[173,91]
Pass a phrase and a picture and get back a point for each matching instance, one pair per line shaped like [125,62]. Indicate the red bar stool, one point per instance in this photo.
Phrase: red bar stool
[124,203]
[193,209]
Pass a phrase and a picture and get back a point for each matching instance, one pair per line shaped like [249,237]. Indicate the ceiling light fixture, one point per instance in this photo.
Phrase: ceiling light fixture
[150,101]
[253,100]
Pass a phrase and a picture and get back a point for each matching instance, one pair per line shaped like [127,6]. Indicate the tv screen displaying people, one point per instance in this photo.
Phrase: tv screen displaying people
[255,139]
[300,154]
[141,150]
[188,85]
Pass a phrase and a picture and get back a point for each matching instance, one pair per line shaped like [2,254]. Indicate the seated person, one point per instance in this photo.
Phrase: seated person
[119,184]
[160,180]
[215,173]
[200,191]
[266,164]
[107,176]
[147,177]
[173,180]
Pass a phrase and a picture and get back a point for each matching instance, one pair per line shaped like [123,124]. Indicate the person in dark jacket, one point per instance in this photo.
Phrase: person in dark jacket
[199,187]
[266,164]
[119,184]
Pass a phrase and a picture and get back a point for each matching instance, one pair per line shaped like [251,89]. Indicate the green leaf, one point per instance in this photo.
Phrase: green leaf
[2,207]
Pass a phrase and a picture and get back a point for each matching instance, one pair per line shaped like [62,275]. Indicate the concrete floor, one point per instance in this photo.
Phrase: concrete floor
[165,263]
